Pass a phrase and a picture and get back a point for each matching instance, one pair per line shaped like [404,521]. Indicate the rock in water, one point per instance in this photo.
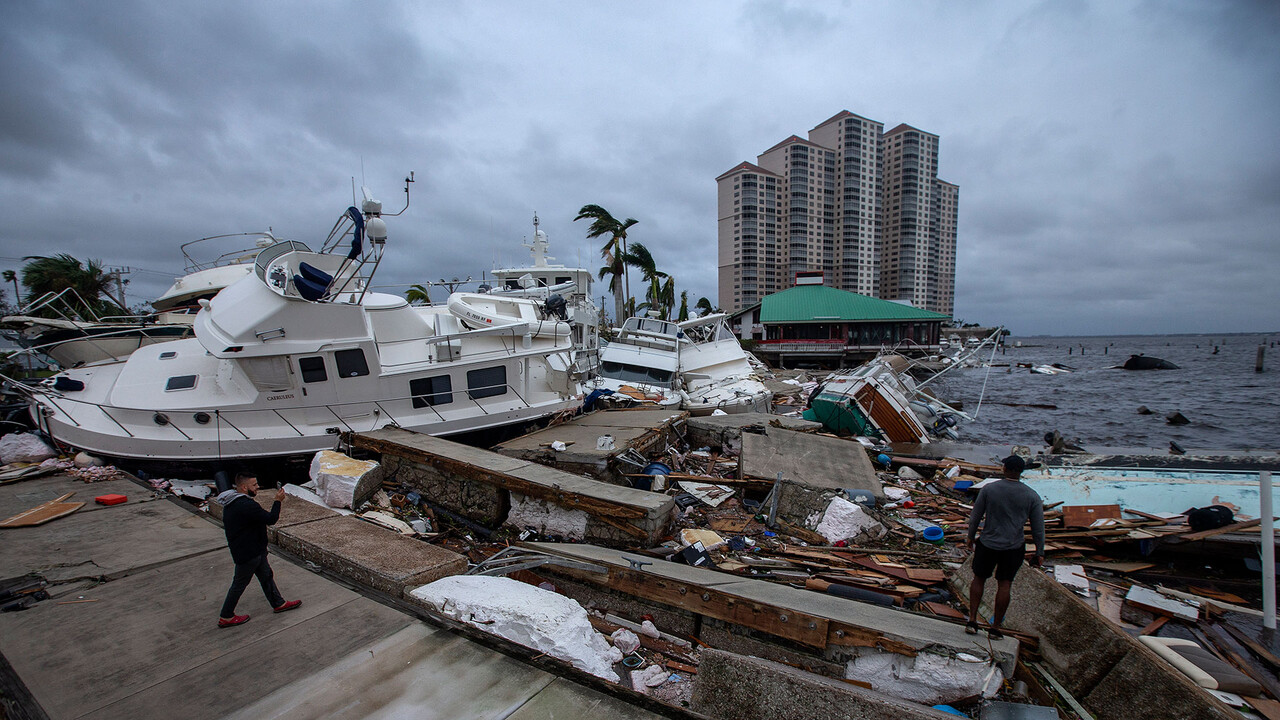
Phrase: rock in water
[1144,410]
[1176,418]
[343,482]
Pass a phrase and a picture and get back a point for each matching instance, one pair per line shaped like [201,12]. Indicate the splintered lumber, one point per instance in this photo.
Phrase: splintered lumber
[1237,656]
[1154,602]
[43,513]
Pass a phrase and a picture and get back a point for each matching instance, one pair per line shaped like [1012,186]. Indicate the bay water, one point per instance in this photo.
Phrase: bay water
[1228,404]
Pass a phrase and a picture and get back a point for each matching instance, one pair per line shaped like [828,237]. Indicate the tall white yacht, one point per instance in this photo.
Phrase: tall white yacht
[545,281]
[301,349]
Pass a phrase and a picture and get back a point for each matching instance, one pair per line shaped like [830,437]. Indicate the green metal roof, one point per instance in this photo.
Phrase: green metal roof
[819,303]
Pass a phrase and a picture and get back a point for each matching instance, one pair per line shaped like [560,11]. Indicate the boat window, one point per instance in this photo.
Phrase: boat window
[563,279]
[312,369]
[167,355]
[181,382]
[635,373]
[351,363]
[437,390]
[487,382]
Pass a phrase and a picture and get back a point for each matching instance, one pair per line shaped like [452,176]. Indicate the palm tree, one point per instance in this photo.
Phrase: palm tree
[703,306]
[94,285]
[640,257]
[684,306]
[602,223]
[668,297]
[11,276]
[418,294]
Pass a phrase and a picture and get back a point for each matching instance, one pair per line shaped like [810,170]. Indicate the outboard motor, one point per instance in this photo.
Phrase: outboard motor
[557,307]
[484,288]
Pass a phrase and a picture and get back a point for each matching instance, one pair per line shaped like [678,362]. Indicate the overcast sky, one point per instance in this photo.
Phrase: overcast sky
[1118,164]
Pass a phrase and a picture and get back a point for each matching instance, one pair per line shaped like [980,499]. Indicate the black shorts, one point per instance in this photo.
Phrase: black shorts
[1004,562]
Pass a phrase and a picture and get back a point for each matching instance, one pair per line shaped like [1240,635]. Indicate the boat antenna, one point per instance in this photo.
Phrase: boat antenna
[407,181]
[994,345]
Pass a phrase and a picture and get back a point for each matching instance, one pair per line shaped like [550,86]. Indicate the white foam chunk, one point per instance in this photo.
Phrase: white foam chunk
[546,518]
[844,520]
[342,481]
[524,614]
[895,493]
[24,447]
[926,678]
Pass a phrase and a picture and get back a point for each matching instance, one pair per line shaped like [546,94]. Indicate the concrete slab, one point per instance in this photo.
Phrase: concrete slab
[816,461]
[477,483]
[149,642]
[370,555]
[910,629]
[106,541]
[725,431]
[420,672]
[631,429]
[26,494]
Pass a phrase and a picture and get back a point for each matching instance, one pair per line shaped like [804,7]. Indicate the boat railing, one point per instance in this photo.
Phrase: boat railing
[234,257]
[66,304]
[92,340]
[517,331]
[237,419]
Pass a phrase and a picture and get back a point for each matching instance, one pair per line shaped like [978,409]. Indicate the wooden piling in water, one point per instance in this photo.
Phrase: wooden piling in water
[1257,367]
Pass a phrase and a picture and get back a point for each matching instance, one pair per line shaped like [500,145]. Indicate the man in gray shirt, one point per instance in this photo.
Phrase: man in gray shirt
[1006,505]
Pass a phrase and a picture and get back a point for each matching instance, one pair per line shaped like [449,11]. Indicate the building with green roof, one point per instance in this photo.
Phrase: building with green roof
[827,326]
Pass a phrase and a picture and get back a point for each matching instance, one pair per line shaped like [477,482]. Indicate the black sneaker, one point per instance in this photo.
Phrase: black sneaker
[995,634]
[971,628]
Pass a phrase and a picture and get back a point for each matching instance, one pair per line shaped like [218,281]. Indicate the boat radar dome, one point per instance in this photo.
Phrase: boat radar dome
[375,228]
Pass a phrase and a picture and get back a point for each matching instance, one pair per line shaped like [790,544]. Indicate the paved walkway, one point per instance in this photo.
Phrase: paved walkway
[131,631]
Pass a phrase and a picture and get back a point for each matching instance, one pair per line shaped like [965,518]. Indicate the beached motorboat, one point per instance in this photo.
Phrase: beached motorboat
[697,365]
[302,349]
[566,291]
[76,336]
[880,400]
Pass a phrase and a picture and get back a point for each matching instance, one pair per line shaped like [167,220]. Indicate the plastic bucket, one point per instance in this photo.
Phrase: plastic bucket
[932,534]
[653,468]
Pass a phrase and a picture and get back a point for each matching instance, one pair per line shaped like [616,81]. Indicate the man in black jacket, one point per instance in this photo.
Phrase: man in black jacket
[245,523]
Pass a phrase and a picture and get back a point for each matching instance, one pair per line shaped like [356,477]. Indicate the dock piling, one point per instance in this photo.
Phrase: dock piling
[1268,552]
[1262,350]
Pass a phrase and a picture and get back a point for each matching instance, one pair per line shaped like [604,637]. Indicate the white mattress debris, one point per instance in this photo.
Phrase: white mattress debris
[342,481]
[926,678]
[533,617]
[546,518]
[844,520]
[23,447]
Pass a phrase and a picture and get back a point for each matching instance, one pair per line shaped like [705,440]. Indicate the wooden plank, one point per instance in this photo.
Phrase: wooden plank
[1270,709]
[1085,515]
[944,610]
[1120,567]
[1148,516]
[1154,625]
[1257,649]
[43,513]
[786,623]
[1235,655]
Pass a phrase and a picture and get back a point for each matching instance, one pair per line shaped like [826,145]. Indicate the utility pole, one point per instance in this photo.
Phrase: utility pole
[120,282]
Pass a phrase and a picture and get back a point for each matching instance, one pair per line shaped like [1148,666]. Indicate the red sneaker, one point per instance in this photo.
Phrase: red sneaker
[231,621]
[287,606]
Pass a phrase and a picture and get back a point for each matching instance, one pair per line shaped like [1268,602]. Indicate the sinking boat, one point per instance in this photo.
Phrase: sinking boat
[300,350]
[881,401]
[1054,369]
[76,336]
[1146,362]
[697,365]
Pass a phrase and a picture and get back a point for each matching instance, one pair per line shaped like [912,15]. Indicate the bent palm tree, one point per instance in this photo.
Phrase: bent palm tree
[640,257]
[603,223]
[417,294]
[684,306]
[703,306]
[53,274]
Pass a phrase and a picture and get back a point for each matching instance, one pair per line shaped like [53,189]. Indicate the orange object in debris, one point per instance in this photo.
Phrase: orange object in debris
[113,499]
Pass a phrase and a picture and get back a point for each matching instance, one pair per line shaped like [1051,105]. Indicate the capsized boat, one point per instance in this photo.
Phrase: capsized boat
[880,400]
[302,349]
[76,336]
[696,365]
[1146,362]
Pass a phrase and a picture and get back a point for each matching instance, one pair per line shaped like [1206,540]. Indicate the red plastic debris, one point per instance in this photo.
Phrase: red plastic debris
[113,499]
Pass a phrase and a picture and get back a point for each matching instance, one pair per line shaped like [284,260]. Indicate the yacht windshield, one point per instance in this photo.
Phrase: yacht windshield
[635,373]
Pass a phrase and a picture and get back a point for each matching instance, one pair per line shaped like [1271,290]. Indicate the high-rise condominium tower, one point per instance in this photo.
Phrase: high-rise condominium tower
[862,205]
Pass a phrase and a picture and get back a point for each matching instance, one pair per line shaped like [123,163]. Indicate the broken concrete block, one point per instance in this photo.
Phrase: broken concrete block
[844,520]
[24,447]
[84,459]
[546,518]
[524,614]
[342,481]
[927,678]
